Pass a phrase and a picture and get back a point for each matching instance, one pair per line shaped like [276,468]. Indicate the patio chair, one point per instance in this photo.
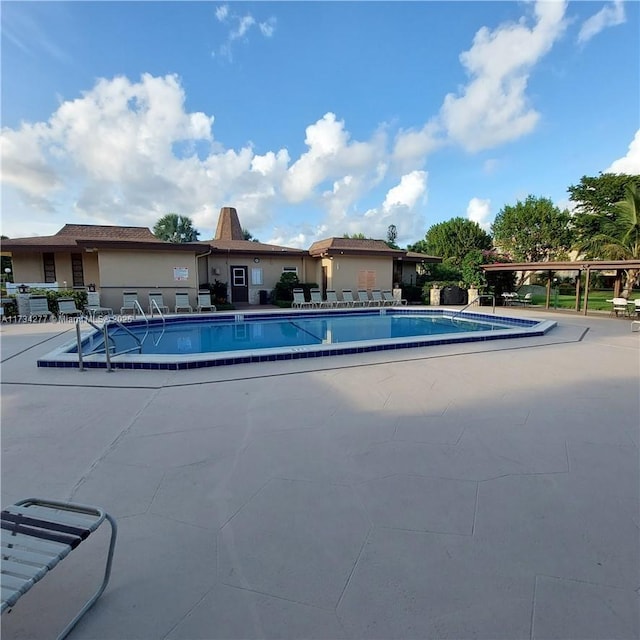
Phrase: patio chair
[526,299]
[332,300]
[67,308]
[363,299]
[93,306]
[387,296]
[316,298]
[36,536]
[376,298]
[130,303]
[39,307]
[347,298]
[204,302]
[636,307]
[182,302]
[299,301]
[619,306]
[156,301]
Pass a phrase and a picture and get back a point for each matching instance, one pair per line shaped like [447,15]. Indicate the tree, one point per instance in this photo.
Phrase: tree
[175,228]
[247,235]
[595,199]
[356,236]
[392,235]
[619,238]
[453,239]
[533,231]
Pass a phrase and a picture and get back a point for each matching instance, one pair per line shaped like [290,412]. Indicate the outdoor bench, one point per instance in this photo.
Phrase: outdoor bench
[36,535]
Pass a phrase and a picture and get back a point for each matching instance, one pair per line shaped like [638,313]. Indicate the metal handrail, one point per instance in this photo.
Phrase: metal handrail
[107,353]
[477,299]
[152,304]
[85,318]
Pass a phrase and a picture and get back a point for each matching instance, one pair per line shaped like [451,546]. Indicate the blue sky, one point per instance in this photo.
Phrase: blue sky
[313,119]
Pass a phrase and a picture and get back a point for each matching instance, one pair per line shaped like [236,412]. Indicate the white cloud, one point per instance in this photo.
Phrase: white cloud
[630,163]
[331,155]
[412,147]
[240,26]
[479,210]
[493,108]
[222,12]
[610,15]
[406,194]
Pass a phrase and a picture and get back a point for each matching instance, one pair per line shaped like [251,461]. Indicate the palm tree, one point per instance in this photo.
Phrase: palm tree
[620,239]
[175,228]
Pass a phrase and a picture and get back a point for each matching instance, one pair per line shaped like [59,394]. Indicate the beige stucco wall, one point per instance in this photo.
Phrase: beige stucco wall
[145,271]
[343,272]
[27,267]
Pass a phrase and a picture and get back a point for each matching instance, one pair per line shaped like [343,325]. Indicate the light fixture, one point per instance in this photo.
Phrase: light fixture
[256,260]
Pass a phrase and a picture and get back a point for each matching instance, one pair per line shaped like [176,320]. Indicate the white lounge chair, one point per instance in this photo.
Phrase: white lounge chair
[389,300]
[130,303]
[331,301]
[67,308]
[376,298]
[316,298]
[299,301]
[204,302]
[182,302]
[156,301]
[636,307]
[93,306]
[39,307]
[347,298]
[362,299]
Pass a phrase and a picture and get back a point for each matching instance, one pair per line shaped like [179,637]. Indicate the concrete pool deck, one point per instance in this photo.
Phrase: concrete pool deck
[483,490]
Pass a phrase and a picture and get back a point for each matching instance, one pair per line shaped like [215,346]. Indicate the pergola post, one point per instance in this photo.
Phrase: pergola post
[586,290]
[578,290]
[546,304]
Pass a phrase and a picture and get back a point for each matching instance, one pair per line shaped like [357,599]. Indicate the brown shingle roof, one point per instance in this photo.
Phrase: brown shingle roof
[229,225]
[248,246]
[352,245]
[106,232]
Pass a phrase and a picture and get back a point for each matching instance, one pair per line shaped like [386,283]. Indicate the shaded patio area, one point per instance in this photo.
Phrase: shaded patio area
[462,491]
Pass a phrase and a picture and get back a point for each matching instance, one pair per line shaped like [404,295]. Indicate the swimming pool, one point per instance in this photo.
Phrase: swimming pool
[190,341]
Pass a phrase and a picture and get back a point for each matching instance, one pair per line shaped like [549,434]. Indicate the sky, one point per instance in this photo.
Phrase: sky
[312,119]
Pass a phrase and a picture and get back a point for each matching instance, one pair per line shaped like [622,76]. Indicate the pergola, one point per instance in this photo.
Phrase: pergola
[577,265]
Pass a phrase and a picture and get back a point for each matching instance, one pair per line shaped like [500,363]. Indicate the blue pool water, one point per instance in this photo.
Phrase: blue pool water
[184,342]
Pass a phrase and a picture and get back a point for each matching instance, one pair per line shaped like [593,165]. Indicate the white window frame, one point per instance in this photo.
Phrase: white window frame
[257,276]
[290,270]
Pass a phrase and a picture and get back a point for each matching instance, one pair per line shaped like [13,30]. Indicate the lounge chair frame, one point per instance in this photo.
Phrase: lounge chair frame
[156,301]
[39,307]
[204,302]
[67,308]
[93,307]
[36,535]
[182,302]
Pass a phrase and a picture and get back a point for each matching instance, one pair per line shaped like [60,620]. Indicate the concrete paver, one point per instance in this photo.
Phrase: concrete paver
[462,491]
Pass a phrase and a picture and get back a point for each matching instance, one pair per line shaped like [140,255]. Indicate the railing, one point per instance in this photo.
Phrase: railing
[477,299]
[164,322]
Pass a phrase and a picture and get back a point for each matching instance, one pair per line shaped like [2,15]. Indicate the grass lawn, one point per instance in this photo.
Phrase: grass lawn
[597,300]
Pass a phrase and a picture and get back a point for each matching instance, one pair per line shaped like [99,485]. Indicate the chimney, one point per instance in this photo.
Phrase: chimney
[229,225]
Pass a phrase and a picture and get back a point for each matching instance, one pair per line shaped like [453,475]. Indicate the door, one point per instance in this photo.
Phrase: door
[239,284]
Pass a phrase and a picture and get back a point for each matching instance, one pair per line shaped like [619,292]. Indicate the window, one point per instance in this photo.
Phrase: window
[76,270]
[49,267]
[290,270]
[238,277]
[256,276]
[366,279]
